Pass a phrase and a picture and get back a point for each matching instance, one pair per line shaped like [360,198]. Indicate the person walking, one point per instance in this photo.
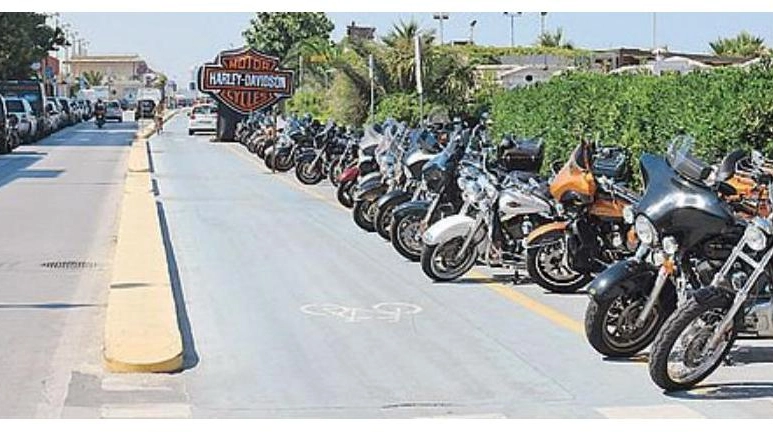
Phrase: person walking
[159,116]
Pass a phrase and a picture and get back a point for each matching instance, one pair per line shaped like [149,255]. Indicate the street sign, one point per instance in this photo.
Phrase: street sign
[245,80]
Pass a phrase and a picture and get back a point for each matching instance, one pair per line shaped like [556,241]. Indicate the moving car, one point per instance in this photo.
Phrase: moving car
[113,111]
[203,118]
[28,123]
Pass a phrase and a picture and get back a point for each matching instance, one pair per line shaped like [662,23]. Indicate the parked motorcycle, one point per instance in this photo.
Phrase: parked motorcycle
[312,163]
[736,303]
[508,204]
[364,164]
[686,230]
[564,255]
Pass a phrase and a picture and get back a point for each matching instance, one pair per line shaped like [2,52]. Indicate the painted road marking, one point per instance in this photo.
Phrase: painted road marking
[390,312]
[655,411]
[508,293]
[532,304]
[146,410]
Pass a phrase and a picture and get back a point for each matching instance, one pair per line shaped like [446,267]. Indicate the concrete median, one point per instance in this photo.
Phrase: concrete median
[141,325]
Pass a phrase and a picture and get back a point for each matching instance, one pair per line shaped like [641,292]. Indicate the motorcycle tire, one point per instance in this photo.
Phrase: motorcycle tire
[619,341]
[401,229]
[307,174]
[335,170]
[283,163]
[363,213]
[539,273]
[345,193]
[430,255]
[383,220]
[672,331]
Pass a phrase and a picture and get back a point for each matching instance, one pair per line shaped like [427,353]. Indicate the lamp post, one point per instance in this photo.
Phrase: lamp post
[472,30]
[512,16]
[440,16]
[542,16]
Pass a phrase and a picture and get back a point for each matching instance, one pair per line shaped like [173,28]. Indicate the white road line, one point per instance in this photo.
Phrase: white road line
[654,411]
[146,410]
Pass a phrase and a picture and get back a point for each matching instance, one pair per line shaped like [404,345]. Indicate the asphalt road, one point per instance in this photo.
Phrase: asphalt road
[58,203]
[288,309]
[295,312]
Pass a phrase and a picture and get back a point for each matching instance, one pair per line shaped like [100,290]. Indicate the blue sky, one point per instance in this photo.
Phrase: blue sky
[175,42]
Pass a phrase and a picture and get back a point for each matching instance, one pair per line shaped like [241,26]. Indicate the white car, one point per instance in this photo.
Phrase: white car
[113,111]
[203,117]
[28,122]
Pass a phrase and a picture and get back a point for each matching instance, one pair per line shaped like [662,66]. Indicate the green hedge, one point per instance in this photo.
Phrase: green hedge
[722,108]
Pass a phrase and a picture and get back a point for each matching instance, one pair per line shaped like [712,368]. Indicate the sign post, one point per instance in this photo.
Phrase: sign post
[417,65]
[243,81]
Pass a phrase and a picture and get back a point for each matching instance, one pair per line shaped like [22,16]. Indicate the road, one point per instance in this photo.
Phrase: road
[58,203]
[289,310]
[295,312]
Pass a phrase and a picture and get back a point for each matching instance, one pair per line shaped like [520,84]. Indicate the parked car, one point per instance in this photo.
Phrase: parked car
[145,109]
[67,110]
[203,117]
[28,122]
[60,117]
[9,136]
[113,111]
[34,93]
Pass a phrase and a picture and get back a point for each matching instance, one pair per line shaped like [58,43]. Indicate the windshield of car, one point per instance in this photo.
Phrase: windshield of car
[113,105]
[679,156]
[204,110]
[15,106]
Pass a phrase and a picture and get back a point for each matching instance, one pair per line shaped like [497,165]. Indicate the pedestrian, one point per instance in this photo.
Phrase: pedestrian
[159,116]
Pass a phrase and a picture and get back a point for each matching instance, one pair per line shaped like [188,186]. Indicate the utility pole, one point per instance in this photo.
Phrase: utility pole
[512,16]
[440,16]
[372,88]
[472,30]
[542,16]
[654,30]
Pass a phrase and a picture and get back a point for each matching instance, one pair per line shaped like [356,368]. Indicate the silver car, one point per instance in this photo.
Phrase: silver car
[28,123]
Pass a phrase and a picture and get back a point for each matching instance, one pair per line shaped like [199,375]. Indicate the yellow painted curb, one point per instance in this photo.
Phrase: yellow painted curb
[141,329]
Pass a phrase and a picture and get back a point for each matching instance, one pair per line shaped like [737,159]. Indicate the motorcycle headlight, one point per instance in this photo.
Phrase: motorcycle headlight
[628,215]
[755,238]
[645,230]
[669,245]
[435,178]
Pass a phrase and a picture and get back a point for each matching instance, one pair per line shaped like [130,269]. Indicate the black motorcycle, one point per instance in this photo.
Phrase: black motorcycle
[686,231]
[312,162]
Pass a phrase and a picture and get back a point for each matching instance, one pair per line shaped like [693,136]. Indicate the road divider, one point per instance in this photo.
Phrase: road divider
[141,325]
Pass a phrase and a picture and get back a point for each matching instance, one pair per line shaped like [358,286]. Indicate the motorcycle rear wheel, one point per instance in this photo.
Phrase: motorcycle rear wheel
[363,212]
[345,193]
[438,262]
[544,264]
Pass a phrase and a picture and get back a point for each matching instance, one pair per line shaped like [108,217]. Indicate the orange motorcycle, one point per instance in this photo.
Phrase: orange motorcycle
[591,191]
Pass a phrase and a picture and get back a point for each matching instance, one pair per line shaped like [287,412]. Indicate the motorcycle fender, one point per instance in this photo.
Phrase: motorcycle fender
[396,196]
[448,228]
[616,279]
[305,156]
[268,152]
[554,227]
[370,189]
[419,207]
[349,174]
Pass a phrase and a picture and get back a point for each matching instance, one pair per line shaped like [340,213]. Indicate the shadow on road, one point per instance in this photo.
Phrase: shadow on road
[45,306]
[729,391]
[14,167]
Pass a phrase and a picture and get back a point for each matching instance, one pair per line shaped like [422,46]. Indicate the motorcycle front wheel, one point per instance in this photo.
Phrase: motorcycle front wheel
[307,173]
[440,262]
[335,171]
[345,193]
[680,358]
[364,212]
[544,262]
[406,233]
[283,163]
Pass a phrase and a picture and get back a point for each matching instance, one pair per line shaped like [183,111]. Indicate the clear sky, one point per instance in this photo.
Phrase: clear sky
[176,42]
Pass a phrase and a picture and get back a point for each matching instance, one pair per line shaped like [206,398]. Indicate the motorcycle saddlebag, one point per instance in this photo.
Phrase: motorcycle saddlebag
[611,162]
[521,154]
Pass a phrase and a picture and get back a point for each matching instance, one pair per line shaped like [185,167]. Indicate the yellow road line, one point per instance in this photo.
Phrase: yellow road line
[533,305]
[508,293]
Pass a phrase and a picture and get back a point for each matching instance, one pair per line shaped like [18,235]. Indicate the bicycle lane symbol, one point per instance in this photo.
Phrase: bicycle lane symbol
[390,312]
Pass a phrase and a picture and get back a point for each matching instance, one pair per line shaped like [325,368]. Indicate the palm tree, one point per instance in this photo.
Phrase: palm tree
[399,57]
[93,78]
[742,45]
[556,39]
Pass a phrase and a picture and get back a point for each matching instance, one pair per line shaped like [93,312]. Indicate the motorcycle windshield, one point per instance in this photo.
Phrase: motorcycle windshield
[677,206]
[681,159]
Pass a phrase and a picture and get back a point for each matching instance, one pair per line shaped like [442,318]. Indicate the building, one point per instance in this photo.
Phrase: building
[353,31]
[123,74]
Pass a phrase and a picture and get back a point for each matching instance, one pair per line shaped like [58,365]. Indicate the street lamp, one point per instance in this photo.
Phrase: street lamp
[512,16]
[542,16]
[472,29]
[440,16]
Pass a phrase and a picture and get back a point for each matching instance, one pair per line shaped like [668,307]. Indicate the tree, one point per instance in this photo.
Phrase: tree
[94,78]
[25,39]
[399,58]
[556,39]
[275,33]
[742,45]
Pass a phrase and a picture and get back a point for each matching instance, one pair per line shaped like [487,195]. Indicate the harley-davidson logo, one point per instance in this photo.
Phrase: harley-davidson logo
[245,80]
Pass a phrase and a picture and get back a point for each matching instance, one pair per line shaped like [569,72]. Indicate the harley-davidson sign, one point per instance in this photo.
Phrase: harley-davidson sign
[245,80]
